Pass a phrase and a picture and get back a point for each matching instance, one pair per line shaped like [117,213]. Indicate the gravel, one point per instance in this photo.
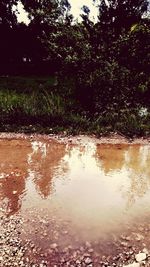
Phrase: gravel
[22,252]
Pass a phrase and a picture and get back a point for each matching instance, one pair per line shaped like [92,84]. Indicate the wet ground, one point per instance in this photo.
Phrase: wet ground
[75,201]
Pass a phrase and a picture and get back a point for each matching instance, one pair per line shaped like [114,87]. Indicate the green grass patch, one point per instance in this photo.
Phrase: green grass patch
[37,105]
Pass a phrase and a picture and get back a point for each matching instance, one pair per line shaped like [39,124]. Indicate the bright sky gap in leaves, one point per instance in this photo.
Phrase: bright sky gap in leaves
[76,6]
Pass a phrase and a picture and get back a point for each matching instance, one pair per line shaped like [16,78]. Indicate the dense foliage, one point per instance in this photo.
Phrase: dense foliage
[106,64]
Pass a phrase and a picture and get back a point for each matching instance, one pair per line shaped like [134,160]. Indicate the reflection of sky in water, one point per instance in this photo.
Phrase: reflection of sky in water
[90,184]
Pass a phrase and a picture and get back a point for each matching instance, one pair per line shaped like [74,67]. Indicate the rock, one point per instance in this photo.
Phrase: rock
[140,257]
[78,262]
[53,246]
[88,244]
[87,261]
[139,237]
[145,250]
[90,250]
[134,264]
[124,244]
[125,239]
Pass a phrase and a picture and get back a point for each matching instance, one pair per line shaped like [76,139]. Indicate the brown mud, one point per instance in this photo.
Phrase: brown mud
[74,201]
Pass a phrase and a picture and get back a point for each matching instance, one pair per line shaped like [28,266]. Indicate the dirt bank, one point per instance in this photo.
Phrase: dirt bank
[110,139]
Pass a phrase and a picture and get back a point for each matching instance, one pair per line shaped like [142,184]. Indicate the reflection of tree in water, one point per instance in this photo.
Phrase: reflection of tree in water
[13,186]
[138,164]
[13,169]
[18,159]
[44,160]
[111,157]
[44,164]
[135,159]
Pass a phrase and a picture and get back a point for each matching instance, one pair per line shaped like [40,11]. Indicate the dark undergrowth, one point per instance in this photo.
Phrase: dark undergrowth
[37,105]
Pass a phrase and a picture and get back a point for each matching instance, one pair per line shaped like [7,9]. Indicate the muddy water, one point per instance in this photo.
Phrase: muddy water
[70,193]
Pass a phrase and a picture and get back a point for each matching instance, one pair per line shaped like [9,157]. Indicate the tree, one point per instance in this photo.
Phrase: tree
[7,15]
[133,51]
[8,21]
[120,15]
[46,17]
[119,63]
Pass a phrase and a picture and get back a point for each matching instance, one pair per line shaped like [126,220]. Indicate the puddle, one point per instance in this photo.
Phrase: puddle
[73,193]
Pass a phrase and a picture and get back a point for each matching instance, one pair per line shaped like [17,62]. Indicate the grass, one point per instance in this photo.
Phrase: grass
[27,107]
